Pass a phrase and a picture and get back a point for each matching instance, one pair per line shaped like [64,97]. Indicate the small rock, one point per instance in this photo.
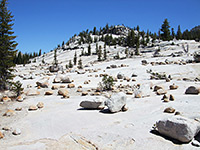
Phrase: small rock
[169,110]
[66,79]
[16,132]
[173,87]
[129,92]
[79,90]
[5,99]
[18,109]
[48,93]
[133,80]
[20,98]
[6,128]
[84,93]
[138,95]
[86,82]
[66,96]
[54,87]
[171,97]
[9,113]
[192,90]
[156,88]
[134,75]
[124,108]
[42,83]
[167,80]
[32,92]
[166,100]
[144,62]
[164,97]
[71,85]
[120,76]
[63,92]
[177,113]
[161,92]
[62,86]
[80,87]
[40,105]
[32,108]
[1,135]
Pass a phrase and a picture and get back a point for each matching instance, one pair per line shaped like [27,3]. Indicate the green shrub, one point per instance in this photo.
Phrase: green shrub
[107,82]
[17,87]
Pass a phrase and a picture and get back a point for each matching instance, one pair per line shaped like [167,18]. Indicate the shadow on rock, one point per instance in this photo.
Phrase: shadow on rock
[174,141]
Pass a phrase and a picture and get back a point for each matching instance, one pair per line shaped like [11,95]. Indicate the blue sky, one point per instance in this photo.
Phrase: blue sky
[43,24]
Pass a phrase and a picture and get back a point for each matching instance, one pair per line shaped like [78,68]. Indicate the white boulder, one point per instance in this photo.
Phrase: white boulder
[179,128]
[93,103]
[116,102]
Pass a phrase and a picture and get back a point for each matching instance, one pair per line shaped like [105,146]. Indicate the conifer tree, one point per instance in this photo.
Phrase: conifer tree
[104,52]
[75,58]
[99,53]
[89,50]
[94,31]
[55,57]
[138,28]
[97,49]
[137,45]
[70,64]
[40,52]
[80,65]
[179,34]
[165,29]
[147,37]
[173,34]
[7,45]
[126,52]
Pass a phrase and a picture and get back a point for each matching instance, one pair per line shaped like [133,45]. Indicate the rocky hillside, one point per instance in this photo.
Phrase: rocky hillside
[124,101]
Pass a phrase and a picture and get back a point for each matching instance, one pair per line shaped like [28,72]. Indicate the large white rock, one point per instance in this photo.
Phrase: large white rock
[116,102]
[93,103]
[66,79]
[43,83]
[179,128]
[58,78]
[192,90]
[32,92]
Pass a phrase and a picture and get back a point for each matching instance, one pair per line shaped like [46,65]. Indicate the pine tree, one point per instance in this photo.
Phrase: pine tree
[97,49]
[55,57]
[63,44]
[165,29]
[80,65]
[137,45]
[147,37]
[99,53]
[138,28]
[94,31]
[7,45]
[126,52]
[75,58]
[70,64]
[89,50]
[173,34]
[179,34]
[104,52]
[40,52]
